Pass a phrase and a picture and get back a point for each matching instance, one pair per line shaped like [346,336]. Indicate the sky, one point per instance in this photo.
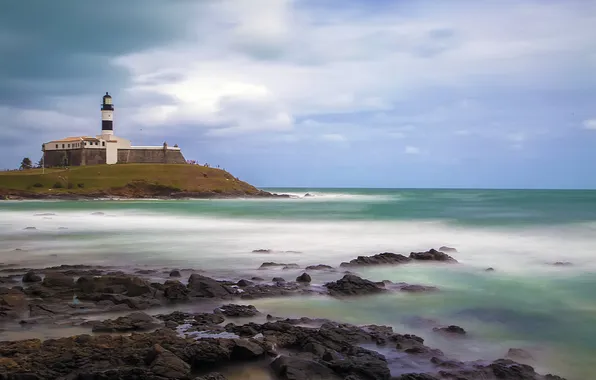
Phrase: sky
[315,93]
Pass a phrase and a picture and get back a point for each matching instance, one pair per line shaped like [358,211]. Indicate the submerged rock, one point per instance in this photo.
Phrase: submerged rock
[447,249]
[563,264]
[261,251]
[519,354]
[244,283]
[352,285]
[319,267]
[271,264]
[386,258]
[175,273]
[233,310]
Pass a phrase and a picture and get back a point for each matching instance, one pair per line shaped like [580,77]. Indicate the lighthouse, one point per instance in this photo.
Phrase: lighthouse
[107,117]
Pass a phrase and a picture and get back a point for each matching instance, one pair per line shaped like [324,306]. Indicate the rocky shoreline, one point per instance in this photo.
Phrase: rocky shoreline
[110,195]
[132,342]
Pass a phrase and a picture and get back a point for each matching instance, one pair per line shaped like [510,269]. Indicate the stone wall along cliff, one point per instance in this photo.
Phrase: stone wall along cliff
[150,156]
[74,157]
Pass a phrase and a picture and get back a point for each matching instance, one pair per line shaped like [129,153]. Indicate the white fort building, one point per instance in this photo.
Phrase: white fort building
[106,148]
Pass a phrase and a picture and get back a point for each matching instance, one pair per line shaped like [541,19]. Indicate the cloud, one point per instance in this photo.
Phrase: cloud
[412,150]
[334,137]
[590,124]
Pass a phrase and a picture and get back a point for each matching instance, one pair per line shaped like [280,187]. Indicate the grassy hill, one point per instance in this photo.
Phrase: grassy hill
[126,180]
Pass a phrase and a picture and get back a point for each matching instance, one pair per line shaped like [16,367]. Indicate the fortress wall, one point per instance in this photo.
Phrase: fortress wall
[73,157]
[150,156]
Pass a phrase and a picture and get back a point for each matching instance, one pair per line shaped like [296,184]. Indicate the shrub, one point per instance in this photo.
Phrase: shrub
[80,185]
[70,185]
[37,184]
[58,185]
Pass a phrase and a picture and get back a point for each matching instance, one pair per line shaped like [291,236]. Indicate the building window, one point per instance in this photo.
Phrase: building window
[103,143]
[56,146]
[62,146]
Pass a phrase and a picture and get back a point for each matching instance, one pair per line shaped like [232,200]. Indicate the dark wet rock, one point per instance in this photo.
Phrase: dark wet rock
[245,350]
[175,273]
[262,251]
[519,354]
[244,283]
[202,286]
[490,269]
[432,255]
[175,291]
[164,363]
[146,271]
[447,249]
[58,280]
[451,329]
[29,228]
[351,285]
[291,266]
[212,376]
[13,303]
[415,376]
[308,195]
[233,310]
[319,267]
[257,279]
[563,264]
[158,286]
[270,264]
[386,258]
[304,278]
[294,368]
[278,279]
[133,322]
[131,286]
[413,288]
[31,277]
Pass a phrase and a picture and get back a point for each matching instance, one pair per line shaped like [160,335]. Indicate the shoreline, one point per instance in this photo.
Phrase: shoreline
[226,331]
[15,195]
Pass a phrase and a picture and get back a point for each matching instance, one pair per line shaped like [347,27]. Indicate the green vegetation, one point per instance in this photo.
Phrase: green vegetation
[124,180]
[26,164]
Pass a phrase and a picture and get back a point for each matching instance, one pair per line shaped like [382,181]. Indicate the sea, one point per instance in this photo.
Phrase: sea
[527,302]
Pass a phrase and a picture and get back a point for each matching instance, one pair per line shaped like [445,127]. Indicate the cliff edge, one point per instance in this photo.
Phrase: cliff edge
[125,181]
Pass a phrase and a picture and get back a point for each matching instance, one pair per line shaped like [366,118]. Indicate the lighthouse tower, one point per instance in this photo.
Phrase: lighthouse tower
[107,117]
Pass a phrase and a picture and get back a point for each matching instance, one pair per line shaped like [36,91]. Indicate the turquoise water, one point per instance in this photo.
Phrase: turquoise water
[527,302]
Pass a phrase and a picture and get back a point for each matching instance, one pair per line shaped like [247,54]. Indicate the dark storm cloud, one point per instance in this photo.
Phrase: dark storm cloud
[65,47]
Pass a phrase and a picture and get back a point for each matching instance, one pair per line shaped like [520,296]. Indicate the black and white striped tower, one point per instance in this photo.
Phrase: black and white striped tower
[107,116]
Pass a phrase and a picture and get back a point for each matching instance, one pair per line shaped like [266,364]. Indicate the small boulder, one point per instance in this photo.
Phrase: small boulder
[447,249]
[31,277]
[261,251]
[490,269]
[452,329]
[294,368]
[244,283]
[562,264]
[304,277]
[29,228]
[245,350]
[168,365]
[257,279]
[414,288]
[175,273]
[137,321]
[271,264]
[319,267]
[432,255]
[174,290]
[57,280]
[352,285]
[233,310]
[278,279]
[385,258]
[202,286]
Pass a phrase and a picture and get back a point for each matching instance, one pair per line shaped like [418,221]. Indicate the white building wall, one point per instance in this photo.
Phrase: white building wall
[111,153]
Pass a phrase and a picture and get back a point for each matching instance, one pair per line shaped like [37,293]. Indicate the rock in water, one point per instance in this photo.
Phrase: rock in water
[168,365]
[447,249]
[385,258]
[57,280]
[271,264]
[137,321]
[293,368]
[319,267]
[175,273]
[244,283]
[304,277]
[31,277]
[174,290]
[519,354]
[237,310]
[452,329]
[206,287]
[432,255]
[132,286]
[352,285]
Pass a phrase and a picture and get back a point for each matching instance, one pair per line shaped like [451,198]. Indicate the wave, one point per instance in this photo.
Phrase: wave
[138,236]
[328,196]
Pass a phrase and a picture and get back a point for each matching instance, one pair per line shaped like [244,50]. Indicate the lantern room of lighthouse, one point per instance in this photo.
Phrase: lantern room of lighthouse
[107,117]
